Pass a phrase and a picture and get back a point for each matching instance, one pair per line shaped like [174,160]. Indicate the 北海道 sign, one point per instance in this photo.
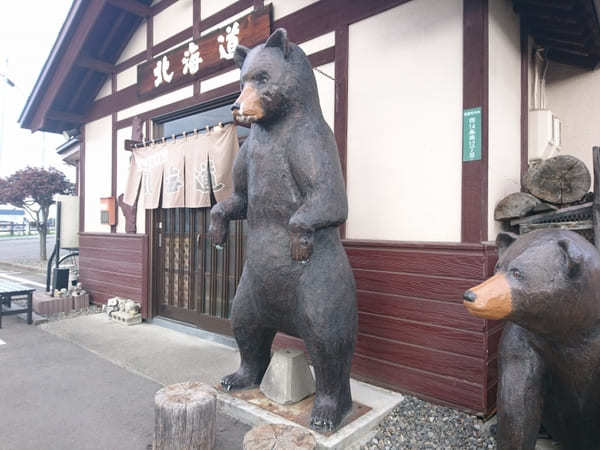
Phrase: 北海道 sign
[202,57]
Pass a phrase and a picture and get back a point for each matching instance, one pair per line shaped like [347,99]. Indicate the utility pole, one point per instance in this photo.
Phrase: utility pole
[4,80]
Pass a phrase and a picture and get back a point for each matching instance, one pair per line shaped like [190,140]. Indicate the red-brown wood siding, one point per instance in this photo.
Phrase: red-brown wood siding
[414,334]
[112,264]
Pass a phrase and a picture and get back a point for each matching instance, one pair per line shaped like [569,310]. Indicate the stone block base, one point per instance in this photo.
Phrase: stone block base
[288,378]
[125,318]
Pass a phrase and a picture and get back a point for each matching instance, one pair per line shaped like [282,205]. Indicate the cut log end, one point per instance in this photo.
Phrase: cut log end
[560,180]
[515,205]
[185,416]
[280,437]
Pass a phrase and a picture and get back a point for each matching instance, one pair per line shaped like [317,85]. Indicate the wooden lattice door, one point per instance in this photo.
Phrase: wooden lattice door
[196,282]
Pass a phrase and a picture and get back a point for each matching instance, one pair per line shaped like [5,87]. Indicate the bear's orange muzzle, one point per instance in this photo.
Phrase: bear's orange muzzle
[247,108]
[490,299]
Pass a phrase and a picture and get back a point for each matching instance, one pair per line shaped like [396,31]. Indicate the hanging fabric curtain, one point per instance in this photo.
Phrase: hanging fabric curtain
[133,182]
[208,165]
[173,184]
[151,161]
[188,169]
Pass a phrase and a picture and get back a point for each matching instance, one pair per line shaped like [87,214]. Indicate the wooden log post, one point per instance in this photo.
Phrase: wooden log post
[279,436]
[184,417]
[596,207]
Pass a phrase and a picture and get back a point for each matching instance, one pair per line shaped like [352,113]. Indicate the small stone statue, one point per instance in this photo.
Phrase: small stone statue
[547,285]
[288,183]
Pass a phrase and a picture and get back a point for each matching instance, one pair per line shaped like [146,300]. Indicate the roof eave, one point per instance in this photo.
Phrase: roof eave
[47,71]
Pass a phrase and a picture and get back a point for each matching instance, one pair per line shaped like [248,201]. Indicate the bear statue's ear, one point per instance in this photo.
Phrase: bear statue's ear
[279,40]
[504,240]
[240,55]
[573,257]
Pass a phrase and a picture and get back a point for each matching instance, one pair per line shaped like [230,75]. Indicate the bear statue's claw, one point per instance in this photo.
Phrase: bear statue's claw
[238,380]
[319,424]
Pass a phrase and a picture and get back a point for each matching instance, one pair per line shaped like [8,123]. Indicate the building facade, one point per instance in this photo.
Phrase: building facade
[429,101]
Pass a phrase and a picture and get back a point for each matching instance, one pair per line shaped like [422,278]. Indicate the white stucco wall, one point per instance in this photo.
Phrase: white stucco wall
[98,163]
[573,94]
[126,78]
[220,80]
[319,43]
[105,90]
[405,123]
[172,20]
[504,145]
[136,44]
[325,76]
[122,170]
[157,102]
[210,7]
[282,8]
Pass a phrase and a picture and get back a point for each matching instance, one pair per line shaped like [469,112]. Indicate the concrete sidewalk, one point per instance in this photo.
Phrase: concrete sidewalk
[157,353]
[55,394]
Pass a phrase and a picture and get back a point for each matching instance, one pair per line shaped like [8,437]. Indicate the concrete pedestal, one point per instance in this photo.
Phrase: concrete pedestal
[288,378]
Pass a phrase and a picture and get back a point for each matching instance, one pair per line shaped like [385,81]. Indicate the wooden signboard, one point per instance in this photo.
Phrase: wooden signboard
[202,57]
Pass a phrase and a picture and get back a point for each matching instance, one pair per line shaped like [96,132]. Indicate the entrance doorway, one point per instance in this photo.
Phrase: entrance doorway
[194,282]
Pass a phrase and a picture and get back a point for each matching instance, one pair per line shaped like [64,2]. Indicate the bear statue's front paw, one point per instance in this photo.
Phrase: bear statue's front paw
[217,235]
[302,246]
[217,232]
[239,380]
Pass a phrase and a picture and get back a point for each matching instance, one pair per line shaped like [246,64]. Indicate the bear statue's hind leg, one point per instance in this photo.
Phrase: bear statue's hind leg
[333,399]
[253,340]
[329,338]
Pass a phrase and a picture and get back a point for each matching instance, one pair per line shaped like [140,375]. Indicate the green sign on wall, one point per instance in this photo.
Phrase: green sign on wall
[472,134]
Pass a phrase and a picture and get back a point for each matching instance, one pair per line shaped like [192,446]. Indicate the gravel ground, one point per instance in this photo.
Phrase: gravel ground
[416,424]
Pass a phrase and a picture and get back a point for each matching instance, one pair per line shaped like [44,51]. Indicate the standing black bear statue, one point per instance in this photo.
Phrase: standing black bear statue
[288,183]
[547,285]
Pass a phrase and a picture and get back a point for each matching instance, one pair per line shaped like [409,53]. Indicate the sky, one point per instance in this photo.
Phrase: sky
[28,30]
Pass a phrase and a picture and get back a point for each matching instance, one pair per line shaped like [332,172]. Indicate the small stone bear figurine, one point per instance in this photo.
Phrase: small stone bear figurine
[547,285]
[288,183]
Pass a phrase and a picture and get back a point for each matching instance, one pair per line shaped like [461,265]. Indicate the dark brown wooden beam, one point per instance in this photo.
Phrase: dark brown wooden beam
[78,39]
[544,5]
[474,221]
[64,116]
[84,82]
[584,61]
[524,104]
[133,7]
[82,180]
[95,64]
[340,123]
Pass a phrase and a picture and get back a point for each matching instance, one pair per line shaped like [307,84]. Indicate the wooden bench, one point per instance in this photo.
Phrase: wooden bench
[9,291]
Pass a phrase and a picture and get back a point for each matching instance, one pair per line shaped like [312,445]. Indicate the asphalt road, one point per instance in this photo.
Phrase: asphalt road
[32,278]
[23,248]
[56,395]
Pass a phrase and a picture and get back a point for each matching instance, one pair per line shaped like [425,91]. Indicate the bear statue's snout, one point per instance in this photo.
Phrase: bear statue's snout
[470,296]
[491,299]
[248,107]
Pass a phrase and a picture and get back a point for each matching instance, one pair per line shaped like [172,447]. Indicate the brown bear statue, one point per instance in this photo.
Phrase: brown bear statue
[288,184]
[547,285]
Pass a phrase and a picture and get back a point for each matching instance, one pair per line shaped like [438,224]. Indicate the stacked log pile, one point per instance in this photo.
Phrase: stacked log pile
[558,197]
